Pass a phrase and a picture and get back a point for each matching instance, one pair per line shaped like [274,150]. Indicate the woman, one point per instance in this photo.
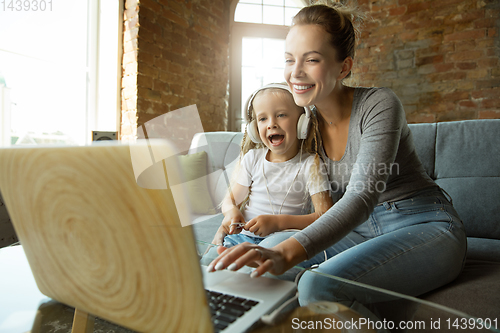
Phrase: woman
[390,226]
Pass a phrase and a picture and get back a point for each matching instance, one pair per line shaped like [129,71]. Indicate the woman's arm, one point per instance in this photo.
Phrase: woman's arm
[379,120]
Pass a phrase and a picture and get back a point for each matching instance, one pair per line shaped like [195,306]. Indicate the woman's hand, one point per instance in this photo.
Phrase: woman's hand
[264,225]
[276,260]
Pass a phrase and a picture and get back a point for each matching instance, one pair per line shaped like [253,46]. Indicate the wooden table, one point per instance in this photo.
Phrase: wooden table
[24,309]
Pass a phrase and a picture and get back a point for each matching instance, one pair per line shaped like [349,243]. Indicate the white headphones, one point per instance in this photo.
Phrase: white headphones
[302,124]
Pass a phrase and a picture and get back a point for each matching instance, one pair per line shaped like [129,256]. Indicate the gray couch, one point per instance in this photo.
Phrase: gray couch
[463,157]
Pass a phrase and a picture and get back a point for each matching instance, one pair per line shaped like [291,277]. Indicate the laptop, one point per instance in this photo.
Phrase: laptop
[99,242]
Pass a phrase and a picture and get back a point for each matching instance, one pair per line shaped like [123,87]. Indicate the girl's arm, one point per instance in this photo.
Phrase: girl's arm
[264,225]
[232,214]
[234,198]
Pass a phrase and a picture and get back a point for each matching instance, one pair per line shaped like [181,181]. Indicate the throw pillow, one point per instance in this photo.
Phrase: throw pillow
[194,168]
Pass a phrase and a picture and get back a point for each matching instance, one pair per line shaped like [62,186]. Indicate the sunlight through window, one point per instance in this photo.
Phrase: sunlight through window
[277,12]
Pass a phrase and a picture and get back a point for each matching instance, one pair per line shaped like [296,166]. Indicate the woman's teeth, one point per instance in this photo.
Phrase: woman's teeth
[303,87]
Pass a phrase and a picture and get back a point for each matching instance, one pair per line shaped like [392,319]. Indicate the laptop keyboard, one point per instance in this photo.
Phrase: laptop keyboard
[225,309]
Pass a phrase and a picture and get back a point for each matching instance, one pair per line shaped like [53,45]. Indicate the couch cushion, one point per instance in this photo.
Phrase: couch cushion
[194,167]
[223,150]
[424,137]
[476,291]
[204,229]
[467,167]
[483,249]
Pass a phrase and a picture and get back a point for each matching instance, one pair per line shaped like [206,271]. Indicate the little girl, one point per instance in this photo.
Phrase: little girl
[279,168]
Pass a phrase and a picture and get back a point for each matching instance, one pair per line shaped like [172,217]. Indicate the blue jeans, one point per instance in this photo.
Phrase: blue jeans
[409,246]
[232,240]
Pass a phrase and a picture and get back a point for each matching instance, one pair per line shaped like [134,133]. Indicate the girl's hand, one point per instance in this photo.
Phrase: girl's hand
[219,236]
[232,218]
[263,225]
[276,260]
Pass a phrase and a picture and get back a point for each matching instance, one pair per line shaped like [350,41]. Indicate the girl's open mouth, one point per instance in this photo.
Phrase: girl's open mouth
[276,139]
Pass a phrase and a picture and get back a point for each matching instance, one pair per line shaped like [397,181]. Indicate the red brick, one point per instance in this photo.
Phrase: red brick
[464,17]
[489,114]
[144,81]
[444,67]
[203,31]
[485,23]
[421,118]
[397,11]
[151,4]
[444,3]
[408,35]
[486,93]
[429,60]
[456,96]
[465,45]
[176,18]
[464,35]
[464,56]
[147,69]
[487,62]
[466,65]
[487,84]
[467,104]
[416,7]
[453,115]
[491,103]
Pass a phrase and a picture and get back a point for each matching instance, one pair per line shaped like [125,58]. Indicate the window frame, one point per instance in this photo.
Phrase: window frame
[240,30]
[92,110]
[93,57]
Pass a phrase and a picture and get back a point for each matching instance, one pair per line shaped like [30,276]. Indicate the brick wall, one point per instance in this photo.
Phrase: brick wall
[440,57]
[176,53]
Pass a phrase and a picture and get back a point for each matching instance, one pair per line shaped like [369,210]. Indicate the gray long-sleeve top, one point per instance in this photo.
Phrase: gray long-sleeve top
[379,164]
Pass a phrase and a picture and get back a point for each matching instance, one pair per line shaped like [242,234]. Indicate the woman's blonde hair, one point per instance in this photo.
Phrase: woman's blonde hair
[341,22]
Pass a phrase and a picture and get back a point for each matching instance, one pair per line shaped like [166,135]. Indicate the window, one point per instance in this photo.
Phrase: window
[59,71]
[278,12]
[258,33]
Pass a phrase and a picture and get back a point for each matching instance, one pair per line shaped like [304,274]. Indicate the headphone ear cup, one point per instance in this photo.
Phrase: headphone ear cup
[253,132]
[302,127]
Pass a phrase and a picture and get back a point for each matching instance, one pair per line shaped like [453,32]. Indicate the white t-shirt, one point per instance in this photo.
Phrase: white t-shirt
[279,178]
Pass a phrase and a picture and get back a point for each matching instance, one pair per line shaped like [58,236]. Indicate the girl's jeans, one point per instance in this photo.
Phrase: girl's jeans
[409,246]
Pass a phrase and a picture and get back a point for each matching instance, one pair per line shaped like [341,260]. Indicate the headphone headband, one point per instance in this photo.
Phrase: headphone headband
[283,86]
[302,124]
